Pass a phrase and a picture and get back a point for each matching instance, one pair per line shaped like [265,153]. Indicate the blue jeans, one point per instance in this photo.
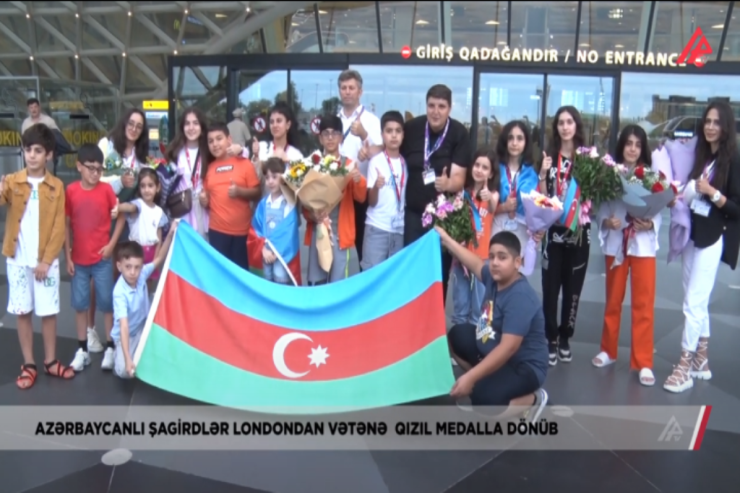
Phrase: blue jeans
[102,275]
[467,296]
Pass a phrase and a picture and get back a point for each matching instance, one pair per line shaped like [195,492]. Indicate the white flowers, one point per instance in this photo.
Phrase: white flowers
[334,166]
[594,153]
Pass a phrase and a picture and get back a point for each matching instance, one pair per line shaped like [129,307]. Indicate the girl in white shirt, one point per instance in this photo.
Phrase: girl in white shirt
[146,219]
[283,141]
[129,140]
[635,243]
[186,152]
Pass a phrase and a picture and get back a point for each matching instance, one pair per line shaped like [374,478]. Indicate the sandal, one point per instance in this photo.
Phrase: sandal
[28,374]
[602,359]
[646,377]
[61,371]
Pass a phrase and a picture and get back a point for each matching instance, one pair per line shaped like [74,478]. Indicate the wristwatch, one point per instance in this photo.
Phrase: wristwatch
[717,195]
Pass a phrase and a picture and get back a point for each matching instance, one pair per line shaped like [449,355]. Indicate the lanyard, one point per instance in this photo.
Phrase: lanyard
[397,186]
[709,170]
[284,150]
[512,181]
[562,184]
[131,164]
[346,132]
[428,152]
[194,167]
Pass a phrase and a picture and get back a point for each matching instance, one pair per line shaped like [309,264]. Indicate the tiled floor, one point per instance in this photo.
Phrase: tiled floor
[713,469]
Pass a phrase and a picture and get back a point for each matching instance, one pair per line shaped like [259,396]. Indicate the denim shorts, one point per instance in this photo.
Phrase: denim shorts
[102,274]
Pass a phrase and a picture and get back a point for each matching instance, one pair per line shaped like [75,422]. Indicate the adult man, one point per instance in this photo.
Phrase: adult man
[238,129]
[359,127]
[36,116]
[437,153]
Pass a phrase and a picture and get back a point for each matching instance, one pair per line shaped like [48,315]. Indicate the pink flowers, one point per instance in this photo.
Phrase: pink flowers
[454,214]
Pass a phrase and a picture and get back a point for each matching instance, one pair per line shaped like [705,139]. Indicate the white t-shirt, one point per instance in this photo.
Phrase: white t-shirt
[267,149]
[27,251]
[352,144]
[388,207]
[143,226]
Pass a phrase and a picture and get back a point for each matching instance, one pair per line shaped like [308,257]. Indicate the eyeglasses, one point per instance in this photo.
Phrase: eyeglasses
[93,169]
[135,126]
[330,133]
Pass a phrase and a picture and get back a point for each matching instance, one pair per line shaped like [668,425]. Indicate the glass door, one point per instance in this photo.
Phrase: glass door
[592,96]
[314,93]
[507,97]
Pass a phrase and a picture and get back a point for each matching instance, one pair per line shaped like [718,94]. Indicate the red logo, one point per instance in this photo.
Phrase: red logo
[696,55]
[406,51]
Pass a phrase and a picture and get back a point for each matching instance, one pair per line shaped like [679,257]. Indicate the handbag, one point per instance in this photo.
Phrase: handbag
[181,203]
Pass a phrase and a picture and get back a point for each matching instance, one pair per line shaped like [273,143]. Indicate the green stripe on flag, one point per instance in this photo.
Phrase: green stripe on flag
[172,365]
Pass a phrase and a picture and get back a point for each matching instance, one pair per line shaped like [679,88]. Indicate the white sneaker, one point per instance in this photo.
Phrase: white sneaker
[80,361]
[93,341]
[108,359]
[537,409]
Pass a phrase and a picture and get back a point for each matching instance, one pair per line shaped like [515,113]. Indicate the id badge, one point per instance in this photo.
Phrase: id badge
[397,221]
[511,225]
[701,207]
[429,177]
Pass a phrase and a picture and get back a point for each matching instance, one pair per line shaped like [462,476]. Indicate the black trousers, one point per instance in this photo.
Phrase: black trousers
[232,247]
[511,381]
[563,269]
[360,216]
[412,231]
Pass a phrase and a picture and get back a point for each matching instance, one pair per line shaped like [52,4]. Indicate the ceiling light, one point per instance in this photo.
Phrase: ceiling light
[77,56]
[619,46]
[585,45]
[421,22]
[123,54]
[221,16]
[77,15]
[718,26]
[129,13]
[248,10]
[31,58]
[28,16]
[294,24]
[186,11]
[492,23]
[322,12]
[175,52]
[616,13]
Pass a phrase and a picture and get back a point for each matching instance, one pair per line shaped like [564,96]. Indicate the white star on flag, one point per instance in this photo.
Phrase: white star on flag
[318,356]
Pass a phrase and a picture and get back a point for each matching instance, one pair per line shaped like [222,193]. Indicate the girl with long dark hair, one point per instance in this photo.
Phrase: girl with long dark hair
[187,152]
[518,176]
[564,255]
[713,196]
[630,246]
[482,185]
[284,137]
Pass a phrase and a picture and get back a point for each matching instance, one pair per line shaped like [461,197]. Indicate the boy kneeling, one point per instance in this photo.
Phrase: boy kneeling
[131,300]
[505,356]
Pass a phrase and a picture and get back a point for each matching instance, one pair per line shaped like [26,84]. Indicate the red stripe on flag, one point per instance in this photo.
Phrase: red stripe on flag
[702,427]
[208,326]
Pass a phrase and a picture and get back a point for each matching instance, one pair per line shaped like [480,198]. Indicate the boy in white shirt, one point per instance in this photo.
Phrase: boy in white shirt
[386,190]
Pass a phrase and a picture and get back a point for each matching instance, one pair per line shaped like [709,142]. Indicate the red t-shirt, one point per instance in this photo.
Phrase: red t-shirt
[89,219]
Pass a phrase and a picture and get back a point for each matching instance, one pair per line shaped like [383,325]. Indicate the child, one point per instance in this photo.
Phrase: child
[145,218]
[131,299]
[387,176]
[88,244]
[34,235]
[342,217]
[505,353]
[482,185]
[229,186]
[276,220]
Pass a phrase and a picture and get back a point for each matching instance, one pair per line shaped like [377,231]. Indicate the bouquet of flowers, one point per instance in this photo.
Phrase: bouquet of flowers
[168,178]
[112,162]
[318,182]
[646,191]
[456,214]
[540,212]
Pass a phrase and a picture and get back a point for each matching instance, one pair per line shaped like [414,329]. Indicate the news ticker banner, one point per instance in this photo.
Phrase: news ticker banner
[394,428]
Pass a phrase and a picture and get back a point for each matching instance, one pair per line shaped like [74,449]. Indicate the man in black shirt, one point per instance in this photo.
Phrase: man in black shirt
[437,152]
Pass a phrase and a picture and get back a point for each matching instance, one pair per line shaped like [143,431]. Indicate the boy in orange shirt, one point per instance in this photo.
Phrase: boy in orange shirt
[229,186]
[342,217]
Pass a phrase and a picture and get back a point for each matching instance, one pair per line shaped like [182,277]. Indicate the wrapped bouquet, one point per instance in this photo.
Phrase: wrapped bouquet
[456,214]
[318,182]
[646,192]
[540,212]
[112,162]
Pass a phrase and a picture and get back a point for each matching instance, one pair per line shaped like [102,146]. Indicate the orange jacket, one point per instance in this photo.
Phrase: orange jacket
[346,227]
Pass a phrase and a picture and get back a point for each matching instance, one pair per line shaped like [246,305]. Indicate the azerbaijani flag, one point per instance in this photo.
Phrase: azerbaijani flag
[223,336]
[571,206]
[284,241]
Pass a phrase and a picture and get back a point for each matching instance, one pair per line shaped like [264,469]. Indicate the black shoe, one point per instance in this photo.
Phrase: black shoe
[564,353]
[552,348]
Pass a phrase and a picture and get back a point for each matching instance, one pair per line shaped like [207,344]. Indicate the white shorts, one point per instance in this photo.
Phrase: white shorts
[26,294]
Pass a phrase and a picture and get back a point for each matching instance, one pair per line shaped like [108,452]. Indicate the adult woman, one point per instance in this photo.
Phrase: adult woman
[713,195]
[630,246]
[517,177]
[564,255]
[187,151]
[283,138]
[129,139]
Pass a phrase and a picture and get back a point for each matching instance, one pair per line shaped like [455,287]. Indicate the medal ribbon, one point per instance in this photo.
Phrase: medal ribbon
[194,168]
[357,118]
[428,152]
[627,234]
[561,183]
[397,186]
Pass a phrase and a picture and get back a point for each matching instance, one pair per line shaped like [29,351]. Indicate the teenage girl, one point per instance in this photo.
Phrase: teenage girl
[482,185]
[145,218]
